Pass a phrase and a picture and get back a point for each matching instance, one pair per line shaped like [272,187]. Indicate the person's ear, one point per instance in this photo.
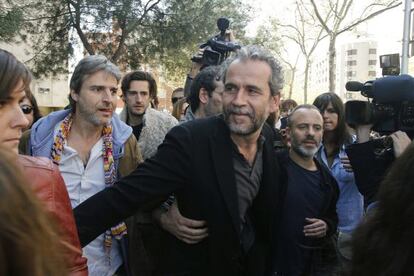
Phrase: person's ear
[203,96]
[74,95]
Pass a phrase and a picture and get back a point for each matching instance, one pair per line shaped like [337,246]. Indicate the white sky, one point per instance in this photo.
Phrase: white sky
[386,29]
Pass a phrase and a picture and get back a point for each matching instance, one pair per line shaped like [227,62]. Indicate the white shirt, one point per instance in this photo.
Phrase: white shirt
[82,183]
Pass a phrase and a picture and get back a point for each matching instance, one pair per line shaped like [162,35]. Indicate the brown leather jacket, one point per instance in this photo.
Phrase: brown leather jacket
[48,185]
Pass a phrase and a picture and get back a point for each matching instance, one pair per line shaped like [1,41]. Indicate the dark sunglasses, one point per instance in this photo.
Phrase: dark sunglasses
[26,109]
[174,100]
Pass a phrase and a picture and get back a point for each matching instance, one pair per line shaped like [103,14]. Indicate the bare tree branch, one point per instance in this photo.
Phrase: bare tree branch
[347,28]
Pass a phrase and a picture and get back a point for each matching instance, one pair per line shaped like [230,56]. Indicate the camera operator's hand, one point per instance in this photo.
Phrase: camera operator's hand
[400,142]
[196,66]
[229,35]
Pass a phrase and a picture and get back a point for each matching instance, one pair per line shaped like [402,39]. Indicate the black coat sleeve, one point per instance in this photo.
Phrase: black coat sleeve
[369,168]
[150,183]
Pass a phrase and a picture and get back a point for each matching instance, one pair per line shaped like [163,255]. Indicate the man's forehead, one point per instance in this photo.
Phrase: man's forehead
[252,69]
[100,77]
[308,116]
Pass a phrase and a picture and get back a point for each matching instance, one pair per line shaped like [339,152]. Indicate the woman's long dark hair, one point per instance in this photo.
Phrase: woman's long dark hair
[342,135]
[384,243]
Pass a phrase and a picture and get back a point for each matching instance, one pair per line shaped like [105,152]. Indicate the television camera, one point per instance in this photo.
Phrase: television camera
[217,48]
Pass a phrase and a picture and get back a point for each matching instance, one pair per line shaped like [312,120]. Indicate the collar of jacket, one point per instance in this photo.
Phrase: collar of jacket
[42,134]
[156,125]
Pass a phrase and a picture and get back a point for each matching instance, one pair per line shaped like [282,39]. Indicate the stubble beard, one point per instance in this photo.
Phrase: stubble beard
[239,129]
[90,115]
[302,151]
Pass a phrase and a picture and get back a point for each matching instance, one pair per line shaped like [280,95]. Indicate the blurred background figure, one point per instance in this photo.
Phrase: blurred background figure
[383,244]
[177,94]
[350,205]
[30,109]
[179,109]
[29,243]
[286,106]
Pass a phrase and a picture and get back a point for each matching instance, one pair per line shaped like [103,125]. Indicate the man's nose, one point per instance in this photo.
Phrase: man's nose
[239,97]
[107,95]
[311,132]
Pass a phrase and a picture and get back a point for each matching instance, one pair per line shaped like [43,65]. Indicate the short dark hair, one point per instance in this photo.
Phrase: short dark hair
[205,79]
[12,72]
[139,76]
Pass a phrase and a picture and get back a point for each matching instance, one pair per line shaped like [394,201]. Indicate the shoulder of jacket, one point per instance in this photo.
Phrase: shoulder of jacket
[36,162]
[155,116]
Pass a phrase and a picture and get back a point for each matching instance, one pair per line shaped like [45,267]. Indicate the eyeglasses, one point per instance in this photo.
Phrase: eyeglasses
[26,109]
[175,99]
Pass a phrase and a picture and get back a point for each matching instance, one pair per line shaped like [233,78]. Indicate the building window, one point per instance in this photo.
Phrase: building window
[372,62]
[351,62]
[372,51]
[352,52]
[372,73]
[351,74]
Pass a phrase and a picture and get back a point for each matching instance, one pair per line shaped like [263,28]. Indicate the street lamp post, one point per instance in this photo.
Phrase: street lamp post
[406,37]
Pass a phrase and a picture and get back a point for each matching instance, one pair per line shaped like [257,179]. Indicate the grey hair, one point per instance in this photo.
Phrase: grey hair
[88,66]
[301,106]
[254,52]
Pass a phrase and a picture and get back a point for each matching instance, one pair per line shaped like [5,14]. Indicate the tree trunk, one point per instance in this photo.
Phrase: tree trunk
[332,62]
[292,81]
[305,86]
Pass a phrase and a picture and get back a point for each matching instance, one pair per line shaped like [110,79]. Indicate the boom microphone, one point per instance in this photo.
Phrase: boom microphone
[354,86]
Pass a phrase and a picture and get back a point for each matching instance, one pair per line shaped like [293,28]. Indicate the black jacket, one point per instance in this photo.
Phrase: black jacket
[195,163]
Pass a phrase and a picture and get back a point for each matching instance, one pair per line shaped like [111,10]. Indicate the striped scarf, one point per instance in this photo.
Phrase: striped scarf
[120,230]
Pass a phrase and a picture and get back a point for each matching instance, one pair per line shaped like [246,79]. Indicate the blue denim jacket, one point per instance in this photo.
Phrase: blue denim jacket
[350,205]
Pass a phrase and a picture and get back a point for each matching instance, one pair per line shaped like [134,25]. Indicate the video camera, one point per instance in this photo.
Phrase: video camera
[217,49]
[392,106]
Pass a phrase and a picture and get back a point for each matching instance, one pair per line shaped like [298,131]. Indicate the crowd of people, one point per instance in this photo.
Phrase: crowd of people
[235,182]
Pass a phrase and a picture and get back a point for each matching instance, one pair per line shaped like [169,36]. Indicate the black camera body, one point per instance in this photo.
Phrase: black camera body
[217,49]
[391,108]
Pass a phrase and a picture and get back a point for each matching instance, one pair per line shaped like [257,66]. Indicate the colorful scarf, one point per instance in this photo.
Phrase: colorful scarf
[119,231]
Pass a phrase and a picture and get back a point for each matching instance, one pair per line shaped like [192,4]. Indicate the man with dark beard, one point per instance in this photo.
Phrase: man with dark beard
[309,211]
[221,169]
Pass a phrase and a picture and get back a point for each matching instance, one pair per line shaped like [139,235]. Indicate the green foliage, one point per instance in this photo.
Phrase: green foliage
[10,23]
[162,33]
